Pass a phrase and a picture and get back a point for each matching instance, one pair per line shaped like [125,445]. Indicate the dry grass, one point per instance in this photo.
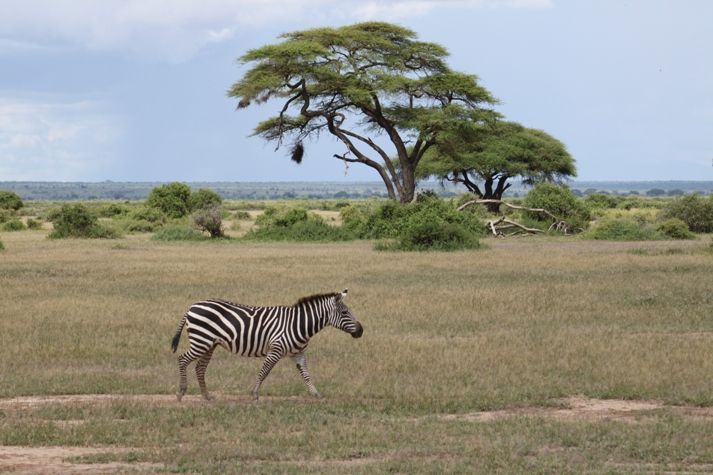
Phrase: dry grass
[521,323]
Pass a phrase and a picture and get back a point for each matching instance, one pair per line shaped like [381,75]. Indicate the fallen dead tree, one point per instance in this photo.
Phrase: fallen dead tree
[503,226]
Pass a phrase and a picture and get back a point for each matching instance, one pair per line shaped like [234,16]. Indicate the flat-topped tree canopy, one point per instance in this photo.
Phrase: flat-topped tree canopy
[360,82]
[483,157]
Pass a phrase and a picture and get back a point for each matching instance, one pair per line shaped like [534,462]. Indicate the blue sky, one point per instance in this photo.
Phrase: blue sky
[135,90]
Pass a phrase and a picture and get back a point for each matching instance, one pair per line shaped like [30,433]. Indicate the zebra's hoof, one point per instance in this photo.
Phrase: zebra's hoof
[179,396]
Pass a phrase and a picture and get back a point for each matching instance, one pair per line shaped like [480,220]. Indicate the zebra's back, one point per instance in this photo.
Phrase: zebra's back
[242,329]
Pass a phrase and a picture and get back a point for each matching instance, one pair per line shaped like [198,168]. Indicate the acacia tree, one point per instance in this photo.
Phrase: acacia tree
[483,157]
[358,83]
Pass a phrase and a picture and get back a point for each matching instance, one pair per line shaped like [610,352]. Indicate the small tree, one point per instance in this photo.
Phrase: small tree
[209,219]
[172,199]
[204,198]
[485,157]
[10,200]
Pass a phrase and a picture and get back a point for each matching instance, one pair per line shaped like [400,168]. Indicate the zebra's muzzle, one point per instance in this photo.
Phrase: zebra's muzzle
[358,332]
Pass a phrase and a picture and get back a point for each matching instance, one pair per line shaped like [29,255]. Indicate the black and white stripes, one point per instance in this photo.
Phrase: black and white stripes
[270,332]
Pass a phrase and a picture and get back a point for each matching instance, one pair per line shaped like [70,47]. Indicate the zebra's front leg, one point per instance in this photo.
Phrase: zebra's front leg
[301,363]
[270,361]
[201,367]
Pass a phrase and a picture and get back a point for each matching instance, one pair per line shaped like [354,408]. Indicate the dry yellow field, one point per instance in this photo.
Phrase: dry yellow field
[528,356]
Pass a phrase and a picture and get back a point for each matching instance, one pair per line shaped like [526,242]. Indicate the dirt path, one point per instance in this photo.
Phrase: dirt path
[41,460]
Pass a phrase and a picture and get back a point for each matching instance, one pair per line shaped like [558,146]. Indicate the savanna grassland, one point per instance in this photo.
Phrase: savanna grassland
[529,355]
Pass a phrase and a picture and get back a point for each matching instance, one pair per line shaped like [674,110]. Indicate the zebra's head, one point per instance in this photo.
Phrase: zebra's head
[343,318]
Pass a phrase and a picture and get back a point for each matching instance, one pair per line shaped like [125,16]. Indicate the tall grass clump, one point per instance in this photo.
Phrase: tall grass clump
[694,210]
[75,221]
[295,224]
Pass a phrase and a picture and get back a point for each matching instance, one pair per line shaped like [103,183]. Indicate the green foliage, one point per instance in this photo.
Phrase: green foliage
[483,156]
[558,200]
[601,200]
[624,228]
[76,221]
[6,215]
[34,224]
[13,224]
[431,223]
[694,210]
[10,200]
[112,210]
[295,224]
[172,199]
[375,72]
[240,214]
[674,228]
[209,219]
[203,198]
[179,233]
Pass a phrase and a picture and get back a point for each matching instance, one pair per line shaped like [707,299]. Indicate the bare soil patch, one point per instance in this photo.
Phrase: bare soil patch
[40,460]
[583,408]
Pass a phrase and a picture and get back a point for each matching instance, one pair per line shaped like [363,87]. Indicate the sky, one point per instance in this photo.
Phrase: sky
[135,90]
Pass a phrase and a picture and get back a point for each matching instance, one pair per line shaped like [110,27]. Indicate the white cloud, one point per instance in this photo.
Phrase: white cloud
[174,30]
[49,139]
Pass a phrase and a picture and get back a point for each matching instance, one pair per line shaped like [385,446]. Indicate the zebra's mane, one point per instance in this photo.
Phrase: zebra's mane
[314,298]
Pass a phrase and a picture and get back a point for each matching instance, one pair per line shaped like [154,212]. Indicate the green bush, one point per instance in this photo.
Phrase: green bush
[113,209]
[13,224]
[33,224]
[179,233]
[10,200]
[558,200]
[674,228]
[242,215]
[6,215]
[622,229]
[76,221]
[694,210]
[203,198]
[432,236]
[295,224]
[209,219]
[172,199]
[152,215]
[601,200]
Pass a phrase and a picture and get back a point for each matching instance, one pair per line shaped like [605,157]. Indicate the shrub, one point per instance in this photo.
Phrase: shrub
[694,210]
[558,200]
[76,221]
[2,246]
[242,215]
[622,229]
[33,224]
[203,198]
[209,219]
[433,236]
[674,228]
[601,200]
[13,224]
[10,200]
[171,199]
[113,209]
[5,215]
[179,233]
[295,224]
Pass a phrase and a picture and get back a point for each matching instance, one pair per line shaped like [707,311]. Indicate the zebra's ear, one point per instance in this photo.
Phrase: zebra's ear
[344,292]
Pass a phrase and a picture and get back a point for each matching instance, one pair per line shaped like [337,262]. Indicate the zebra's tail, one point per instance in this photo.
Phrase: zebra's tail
[179,330]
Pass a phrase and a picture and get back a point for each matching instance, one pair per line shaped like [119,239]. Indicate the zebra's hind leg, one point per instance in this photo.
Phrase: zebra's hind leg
[183,361]
[270,361]
[301,363]
[201,367]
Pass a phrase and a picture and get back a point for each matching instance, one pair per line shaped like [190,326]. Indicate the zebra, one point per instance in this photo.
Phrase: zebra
[270,332]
